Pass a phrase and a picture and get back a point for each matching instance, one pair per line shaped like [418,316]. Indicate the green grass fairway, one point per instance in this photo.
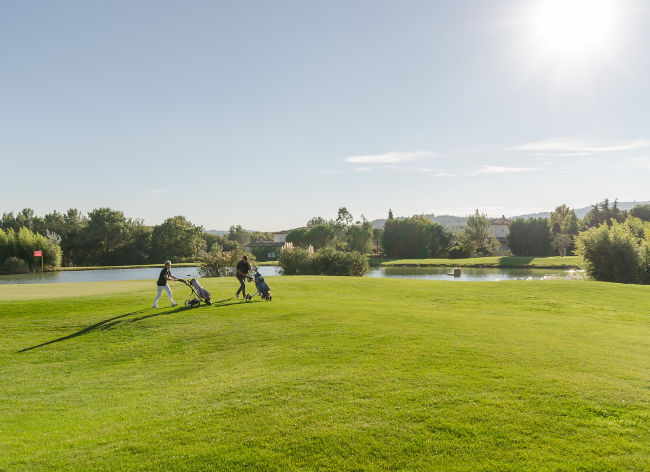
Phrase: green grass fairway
[555,262]
[335,374]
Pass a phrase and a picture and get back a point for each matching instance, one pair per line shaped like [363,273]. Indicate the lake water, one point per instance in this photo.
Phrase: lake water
[430,273]
[473,274]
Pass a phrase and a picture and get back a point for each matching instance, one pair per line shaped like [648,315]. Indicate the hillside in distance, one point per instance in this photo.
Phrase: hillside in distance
[454,223]
[581,212]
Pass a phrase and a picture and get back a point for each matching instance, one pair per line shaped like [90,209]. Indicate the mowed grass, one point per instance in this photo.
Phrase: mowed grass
[553,262]
[335,374]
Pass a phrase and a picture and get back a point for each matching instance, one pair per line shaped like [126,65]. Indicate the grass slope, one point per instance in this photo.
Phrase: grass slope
[555,262]
[334,374]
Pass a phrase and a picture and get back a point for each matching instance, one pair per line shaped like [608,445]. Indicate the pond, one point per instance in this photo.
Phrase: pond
[430,273]
[474,274]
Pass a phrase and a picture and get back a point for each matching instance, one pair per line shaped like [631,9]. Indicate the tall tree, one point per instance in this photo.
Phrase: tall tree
[415,237]
[105,232]
[358,237]
[476,235]
[558,216]
[297,236]
[344,218]
[316,220]
[319,236]
[176,238]
[239,234]
[602,213]
[376,238]
[530,237]
[641,211]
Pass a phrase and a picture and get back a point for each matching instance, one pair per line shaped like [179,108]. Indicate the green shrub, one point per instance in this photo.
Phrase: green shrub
[22,245]
[459,252]
[327,261]
[14,265]
[220,264]
[6,244]
[331,262]
[295,261]
[613,254]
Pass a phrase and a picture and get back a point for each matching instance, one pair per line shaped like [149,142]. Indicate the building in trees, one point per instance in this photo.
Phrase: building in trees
[269,249]
[500,228]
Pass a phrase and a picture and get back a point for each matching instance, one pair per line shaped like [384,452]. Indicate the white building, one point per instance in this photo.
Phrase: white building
[500,228]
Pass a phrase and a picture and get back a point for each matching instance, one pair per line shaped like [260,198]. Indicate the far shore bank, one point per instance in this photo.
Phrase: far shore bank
[510,262]
[144,266]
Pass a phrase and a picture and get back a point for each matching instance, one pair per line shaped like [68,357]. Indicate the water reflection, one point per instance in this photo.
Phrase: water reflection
[473,274]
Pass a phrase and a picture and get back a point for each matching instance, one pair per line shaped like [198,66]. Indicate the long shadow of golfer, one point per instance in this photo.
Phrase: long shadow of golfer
[110,322]
[100,326]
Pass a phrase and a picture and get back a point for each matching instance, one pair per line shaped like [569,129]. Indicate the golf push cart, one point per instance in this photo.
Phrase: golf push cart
[263,289]
[197,295]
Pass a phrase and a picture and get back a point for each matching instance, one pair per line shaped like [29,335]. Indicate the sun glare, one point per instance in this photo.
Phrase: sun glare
[572,28]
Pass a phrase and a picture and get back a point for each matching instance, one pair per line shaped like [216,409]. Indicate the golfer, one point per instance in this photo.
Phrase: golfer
[164,277]
[243,267]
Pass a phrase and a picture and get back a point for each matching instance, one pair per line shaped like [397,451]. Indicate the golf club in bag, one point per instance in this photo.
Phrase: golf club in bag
[197,295]
[263,289]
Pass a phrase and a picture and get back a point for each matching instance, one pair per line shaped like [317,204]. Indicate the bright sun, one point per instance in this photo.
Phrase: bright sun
[568,29]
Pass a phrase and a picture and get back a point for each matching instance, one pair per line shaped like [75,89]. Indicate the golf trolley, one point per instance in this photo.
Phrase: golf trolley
[197,295]
[263,289]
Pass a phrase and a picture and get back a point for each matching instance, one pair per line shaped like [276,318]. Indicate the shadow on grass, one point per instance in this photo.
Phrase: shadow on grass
[514,261]
[111,322]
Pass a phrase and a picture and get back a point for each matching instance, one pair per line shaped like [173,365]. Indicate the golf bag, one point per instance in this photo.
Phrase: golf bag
[263,289]
[197,295]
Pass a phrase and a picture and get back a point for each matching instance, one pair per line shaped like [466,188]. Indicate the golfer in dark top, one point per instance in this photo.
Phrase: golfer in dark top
[243,268]
[165,275]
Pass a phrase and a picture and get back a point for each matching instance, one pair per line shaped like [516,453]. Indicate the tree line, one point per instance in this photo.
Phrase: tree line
[418,237]
[617,247]
[107,237]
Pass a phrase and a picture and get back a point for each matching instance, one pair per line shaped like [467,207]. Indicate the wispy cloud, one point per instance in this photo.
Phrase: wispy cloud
[411,169]
[490,170]
[158,191]
[389,157]
[322,171]
[448,174]
[567,147]
[486,170]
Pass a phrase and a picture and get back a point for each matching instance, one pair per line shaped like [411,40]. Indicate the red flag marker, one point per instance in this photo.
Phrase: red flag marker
[38,253]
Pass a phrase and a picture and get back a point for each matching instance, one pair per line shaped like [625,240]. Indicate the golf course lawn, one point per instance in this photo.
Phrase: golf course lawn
[334,374]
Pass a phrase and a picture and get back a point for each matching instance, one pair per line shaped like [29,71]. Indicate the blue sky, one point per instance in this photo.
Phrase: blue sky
[265,114]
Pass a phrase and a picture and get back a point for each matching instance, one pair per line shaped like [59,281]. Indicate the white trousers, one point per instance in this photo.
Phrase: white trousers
[169,293]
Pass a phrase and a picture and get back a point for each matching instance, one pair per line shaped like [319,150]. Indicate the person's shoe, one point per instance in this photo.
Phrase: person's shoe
[155,306]
[174,304]
[236,295]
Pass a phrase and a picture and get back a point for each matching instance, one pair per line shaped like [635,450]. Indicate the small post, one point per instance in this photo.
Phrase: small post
[456,272]
[40,254]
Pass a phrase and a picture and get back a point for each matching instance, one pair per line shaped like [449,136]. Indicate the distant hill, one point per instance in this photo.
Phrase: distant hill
[454,223]
[581,212]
